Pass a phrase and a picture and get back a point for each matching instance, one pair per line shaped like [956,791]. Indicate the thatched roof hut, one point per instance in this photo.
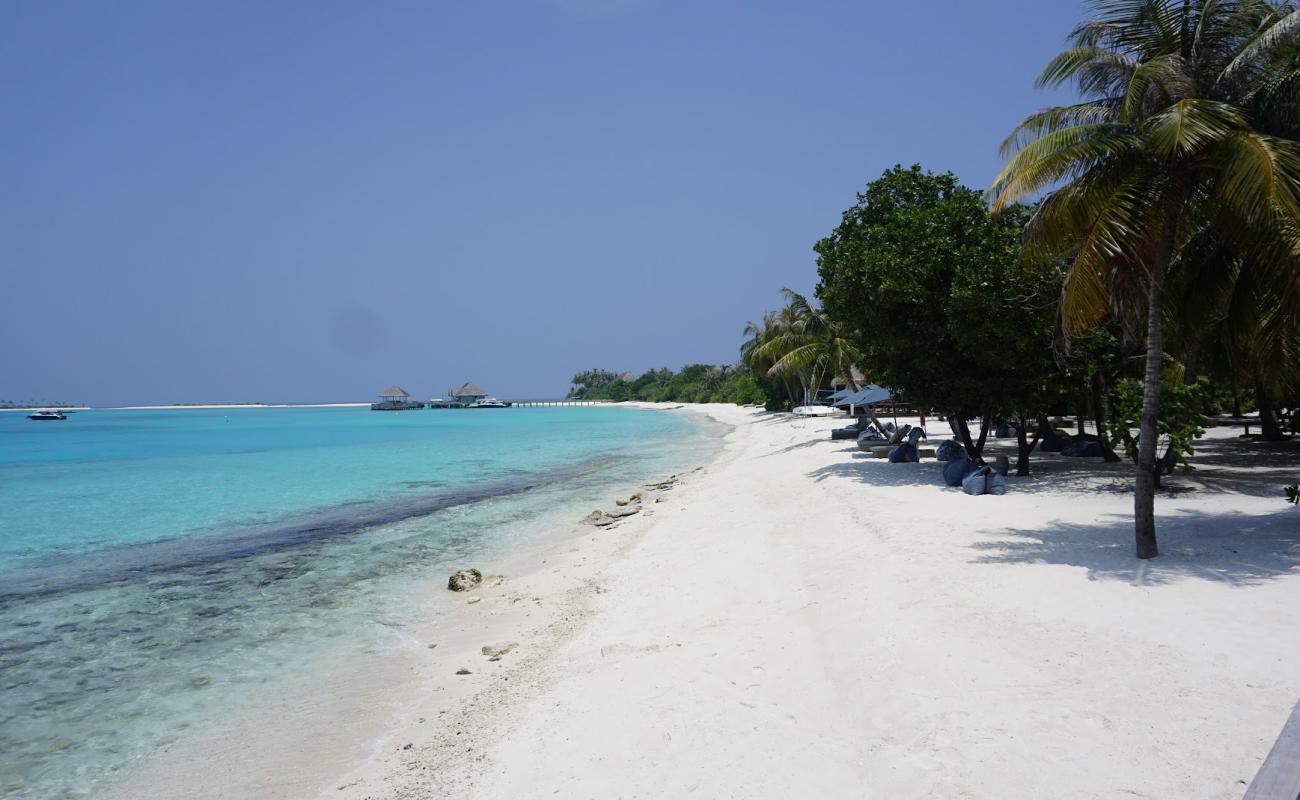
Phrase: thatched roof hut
[468,391]
[394,394]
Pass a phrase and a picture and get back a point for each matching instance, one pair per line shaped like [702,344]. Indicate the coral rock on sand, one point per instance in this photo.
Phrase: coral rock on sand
[463,671]
[603,518]
[634,499]
[464,580]
[498,650]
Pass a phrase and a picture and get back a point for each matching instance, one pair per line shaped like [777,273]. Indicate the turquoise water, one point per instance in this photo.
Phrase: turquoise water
[160,568]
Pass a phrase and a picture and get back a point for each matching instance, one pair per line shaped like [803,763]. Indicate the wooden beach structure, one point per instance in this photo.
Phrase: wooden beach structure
[558,403]
[471,395]
[395,398]
[463,396]
[1279,776]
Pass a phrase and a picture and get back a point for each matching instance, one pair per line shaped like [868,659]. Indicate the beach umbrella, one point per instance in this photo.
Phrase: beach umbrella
[869,395]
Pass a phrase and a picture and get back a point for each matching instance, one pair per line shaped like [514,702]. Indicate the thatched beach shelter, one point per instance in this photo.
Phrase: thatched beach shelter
[394,394]
[467,393]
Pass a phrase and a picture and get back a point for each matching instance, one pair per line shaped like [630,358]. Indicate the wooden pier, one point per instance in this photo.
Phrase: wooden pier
[556,403]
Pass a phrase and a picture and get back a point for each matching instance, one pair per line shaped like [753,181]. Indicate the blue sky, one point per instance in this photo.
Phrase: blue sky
[309,201]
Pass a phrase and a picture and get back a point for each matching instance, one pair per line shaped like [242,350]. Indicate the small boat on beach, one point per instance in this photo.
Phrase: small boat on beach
[45,415]
[815,411]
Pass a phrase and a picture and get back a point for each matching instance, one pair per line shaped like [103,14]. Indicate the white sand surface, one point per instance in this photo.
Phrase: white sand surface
[797,620]
[804,622]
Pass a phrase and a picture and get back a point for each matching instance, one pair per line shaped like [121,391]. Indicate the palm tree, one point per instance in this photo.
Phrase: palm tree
[807,343]
[1162,147]
[756,333]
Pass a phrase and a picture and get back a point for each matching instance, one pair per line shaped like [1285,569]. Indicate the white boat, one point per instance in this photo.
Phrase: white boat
[815,411]
[42,415]
[488,402]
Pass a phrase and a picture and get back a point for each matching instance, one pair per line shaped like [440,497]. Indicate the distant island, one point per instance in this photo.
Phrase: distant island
[27,405]
[695,383]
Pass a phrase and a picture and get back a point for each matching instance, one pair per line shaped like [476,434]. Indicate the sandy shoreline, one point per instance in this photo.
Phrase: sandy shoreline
[795,620]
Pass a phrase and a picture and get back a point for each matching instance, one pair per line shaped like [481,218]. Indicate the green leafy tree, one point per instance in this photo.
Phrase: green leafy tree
[931,290]
[696,383]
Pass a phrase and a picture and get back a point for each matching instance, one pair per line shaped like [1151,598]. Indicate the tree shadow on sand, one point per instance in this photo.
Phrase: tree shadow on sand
[1055,474]
[1221,466]
[1233,548]
[1221,544]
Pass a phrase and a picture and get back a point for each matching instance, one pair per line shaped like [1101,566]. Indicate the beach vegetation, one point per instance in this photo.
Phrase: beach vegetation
[801,345]
[694,383]
[1180,156]
[931,289]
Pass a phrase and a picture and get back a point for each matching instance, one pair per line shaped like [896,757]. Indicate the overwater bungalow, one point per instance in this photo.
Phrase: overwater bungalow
[395,398]
[468,395]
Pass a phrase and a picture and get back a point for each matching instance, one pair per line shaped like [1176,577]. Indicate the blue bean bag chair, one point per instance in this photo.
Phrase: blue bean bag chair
[976,483]
[1083,450]
[949,450]
[996,483]
[956,469]
[905,453]
[1053,443]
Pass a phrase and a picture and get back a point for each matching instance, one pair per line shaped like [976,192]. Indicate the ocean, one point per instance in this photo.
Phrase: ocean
[161,570]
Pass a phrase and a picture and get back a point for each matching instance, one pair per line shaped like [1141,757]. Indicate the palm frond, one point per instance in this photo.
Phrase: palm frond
[1282,30]
[1190,125]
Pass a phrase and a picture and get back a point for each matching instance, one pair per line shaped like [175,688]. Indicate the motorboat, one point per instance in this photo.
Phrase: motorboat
[488,402]
[43,415]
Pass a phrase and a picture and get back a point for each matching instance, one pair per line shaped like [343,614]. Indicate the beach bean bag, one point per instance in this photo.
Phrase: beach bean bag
[905,453]
[1004,431]
[996,484]
[889,427]
[868,440]
[915,435]
[899,434]
[976,483]
[1053,443]
[956,469]
[949,450]
[1083,450]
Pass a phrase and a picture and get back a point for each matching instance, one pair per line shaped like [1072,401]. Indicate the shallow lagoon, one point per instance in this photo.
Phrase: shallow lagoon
[161,570]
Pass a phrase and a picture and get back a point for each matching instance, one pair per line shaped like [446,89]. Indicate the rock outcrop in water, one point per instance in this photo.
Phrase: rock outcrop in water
[464,580]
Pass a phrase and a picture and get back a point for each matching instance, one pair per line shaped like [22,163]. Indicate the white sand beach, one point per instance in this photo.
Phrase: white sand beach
[797,620]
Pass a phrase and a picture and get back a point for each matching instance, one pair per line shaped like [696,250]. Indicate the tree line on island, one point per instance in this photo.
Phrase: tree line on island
[1136,261]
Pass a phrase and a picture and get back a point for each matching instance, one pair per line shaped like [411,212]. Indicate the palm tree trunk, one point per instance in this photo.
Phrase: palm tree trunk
[1102,411]
[1269,428]
[1144,495]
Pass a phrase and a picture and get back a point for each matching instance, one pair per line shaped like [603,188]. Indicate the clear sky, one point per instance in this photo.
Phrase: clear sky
[309,201]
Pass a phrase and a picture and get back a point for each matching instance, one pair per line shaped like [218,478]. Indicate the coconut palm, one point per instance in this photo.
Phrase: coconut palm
[807,343]
[1163,147]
